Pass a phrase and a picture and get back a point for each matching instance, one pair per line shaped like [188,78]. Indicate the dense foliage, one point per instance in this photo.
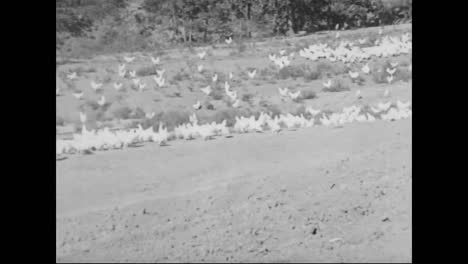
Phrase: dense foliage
[126,25]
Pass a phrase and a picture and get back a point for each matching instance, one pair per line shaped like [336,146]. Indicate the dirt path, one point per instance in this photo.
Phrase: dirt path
[312,195]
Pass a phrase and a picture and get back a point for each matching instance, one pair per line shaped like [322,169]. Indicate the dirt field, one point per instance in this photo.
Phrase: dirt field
[313,195]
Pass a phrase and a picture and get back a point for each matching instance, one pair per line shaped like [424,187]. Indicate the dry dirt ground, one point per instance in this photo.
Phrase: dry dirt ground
[312,195]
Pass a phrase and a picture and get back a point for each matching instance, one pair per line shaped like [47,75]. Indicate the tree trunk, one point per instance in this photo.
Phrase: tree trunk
[249,7]
[205,33]
[190,31]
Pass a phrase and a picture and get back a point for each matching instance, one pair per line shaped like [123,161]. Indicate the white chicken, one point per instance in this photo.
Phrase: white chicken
[252,74]
[129,59]
[78,95]
[155,61]
[283,92]
[366,69]
[353,75]
[201,54]
[82,117]
[207,90]
[295,95]
[390,78]
[197,106]
[327,84]
[102,101]
[118,86]
[95,86]
[150,115]
[391,71]
[72,76]
[236,103]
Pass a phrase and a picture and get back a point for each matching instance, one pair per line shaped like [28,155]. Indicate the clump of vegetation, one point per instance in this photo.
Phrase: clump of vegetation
[217,94]
[209,105]
[292,71]
[181,75]
[300,110]
[146,71]
[273,110]
[263,103]
[123,112]
[380,75]
[359,80]
[266,72]
[308,94]
[239,48]
[138,113]
[80,70]
[269,107]
[403,74]
[337,86]
[92,105]
[226,114]
[230,115]
[325,68]
[100,115]
[300,45]
[248,97]
[305,71]
[107,79]
[171,119]
[311,75]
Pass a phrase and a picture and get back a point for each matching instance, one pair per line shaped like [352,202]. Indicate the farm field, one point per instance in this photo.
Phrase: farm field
[338,192]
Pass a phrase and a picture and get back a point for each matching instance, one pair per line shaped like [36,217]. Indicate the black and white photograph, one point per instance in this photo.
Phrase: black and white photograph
[228,131]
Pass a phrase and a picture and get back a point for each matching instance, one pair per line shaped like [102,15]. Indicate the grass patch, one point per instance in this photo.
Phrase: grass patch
[337,86]
[308,94]
[147,71]
[359,80]
[248,97]
[300,110]
[326,68]
[217,94]
[292,71]
[271,108]
[123,112]
[230,115]
[138,113]
[307,72]
[181,75]
[209,106]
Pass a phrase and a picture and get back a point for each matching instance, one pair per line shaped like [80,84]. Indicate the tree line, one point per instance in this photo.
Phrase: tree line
[155,22]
